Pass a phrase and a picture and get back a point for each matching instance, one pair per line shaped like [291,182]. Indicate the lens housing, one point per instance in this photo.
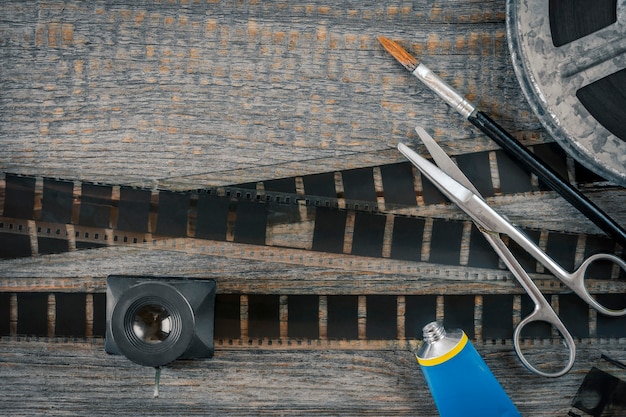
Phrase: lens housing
[154,321]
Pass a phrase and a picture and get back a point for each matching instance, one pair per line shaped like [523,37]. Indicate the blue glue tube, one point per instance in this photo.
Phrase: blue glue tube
[459,379]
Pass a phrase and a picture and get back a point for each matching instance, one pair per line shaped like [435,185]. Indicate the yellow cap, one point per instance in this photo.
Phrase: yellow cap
[446,356]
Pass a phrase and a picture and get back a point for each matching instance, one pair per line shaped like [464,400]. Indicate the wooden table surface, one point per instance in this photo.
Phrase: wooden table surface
[186,95]
[77,378]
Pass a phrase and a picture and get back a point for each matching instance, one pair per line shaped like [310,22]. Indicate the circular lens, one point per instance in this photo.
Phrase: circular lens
[152,323]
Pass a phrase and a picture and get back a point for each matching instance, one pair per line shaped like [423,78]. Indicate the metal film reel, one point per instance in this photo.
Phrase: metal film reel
[570,59]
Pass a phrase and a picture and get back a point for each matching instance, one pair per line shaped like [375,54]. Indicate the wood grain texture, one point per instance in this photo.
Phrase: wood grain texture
[72,378]
[187,94]
[145,93]
[86,271]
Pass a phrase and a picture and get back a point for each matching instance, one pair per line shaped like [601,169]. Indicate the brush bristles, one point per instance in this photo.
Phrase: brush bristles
[399,53]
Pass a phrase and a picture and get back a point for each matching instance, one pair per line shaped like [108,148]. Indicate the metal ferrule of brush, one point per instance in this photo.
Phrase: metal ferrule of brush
[443,90]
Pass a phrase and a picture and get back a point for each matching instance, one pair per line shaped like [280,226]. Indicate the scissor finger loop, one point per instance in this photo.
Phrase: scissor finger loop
[545,313]
[576,282]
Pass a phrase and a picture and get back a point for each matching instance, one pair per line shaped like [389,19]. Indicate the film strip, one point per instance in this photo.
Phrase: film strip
[309,221]
[274,321]
[360,212]
[402,244]
[399,186]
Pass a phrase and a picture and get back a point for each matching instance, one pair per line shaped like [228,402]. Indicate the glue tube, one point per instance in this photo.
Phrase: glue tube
[459,380]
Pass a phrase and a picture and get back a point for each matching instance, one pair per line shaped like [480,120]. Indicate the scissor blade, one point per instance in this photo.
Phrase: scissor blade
[451,188]
[445,163]
[468,201]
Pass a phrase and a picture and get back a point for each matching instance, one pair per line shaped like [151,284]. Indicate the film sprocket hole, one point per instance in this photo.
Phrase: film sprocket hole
[155,320]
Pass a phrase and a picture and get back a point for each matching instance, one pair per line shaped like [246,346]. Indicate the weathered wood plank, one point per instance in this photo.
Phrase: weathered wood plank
[40,378]
[81,271]
[154,94]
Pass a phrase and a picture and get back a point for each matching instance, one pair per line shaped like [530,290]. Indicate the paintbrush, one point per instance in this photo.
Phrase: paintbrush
[518,152]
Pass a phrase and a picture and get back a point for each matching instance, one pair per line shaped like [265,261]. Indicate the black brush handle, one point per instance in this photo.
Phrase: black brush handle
[550,177]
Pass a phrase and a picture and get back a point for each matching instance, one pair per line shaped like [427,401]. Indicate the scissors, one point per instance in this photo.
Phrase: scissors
[451,181]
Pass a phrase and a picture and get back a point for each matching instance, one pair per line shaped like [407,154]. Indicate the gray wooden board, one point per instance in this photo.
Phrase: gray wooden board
[86,271]
[78,378]
[185,95]
[151,94]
